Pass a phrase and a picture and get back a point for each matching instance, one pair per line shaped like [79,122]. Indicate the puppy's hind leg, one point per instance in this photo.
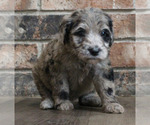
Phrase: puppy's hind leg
[90,99]
[47,101]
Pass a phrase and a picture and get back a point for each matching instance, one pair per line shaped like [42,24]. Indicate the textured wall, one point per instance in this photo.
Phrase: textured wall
[34,21]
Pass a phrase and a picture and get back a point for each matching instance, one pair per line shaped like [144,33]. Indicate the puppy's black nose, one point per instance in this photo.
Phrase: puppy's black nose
[94,51]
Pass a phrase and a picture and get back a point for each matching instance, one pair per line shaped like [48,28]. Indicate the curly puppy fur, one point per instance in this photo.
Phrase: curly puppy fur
[75,64]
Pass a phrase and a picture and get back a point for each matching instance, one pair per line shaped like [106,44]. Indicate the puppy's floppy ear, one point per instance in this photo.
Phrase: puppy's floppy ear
[110,24]
[67,24]
[65,29]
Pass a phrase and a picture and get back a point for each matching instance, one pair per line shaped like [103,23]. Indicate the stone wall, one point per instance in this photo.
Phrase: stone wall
[27,25]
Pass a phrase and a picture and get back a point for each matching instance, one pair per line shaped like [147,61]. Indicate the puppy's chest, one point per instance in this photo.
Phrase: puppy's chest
[78,73]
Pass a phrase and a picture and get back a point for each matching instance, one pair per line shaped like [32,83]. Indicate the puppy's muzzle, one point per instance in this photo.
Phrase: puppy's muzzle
[94,51]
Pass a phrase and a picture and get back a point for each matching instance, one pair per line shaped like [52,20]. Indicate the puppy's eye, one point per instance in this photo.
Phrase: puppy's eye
[80,32]
[106,35]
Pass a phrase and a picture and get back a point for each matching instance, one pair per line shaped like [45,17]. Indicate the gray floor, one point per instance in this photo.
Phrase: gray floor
[28,113]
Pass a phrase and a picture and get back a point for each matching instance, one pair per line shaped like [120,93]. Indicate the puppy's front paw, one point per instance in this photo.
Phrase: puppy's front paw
[67,105]
[46,104]
[113,108]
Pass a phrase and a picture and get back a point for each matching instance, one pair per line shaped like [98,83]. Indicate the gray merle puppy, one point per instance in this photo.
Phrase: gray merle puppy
[75,64]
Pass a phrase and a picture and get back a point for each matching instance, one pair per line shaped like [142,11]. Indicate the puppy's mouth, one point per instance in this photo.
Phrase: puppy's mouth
[93,58]
[100,56]
[96,59]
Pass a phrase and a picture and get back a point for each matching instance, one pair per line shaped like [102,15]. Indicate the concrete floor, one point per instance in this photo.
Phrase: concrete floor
[27,112]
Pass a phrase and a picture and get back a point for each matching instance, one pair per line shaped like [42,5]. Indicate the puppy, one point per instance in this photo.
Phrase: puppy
[75,64]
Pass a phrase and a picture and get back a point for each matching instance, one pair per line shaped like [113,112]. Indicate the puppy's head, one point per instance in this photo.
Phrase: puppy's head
[88,33]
